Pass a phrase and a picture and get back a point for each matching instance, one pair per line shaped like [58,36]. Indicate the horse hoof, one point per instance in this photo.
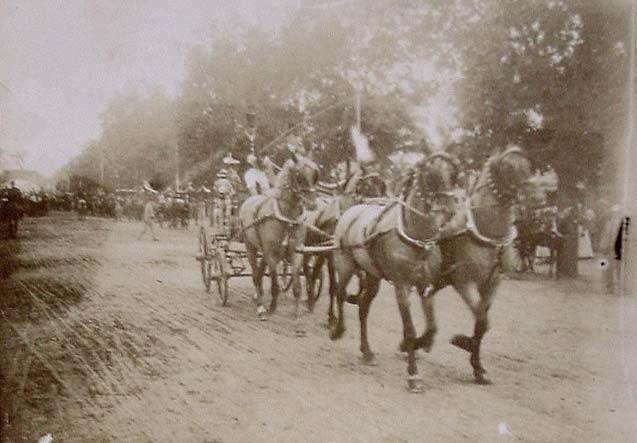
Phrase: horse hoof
[426,342]
[263,317]
[352,299]
[369,359]
[463,342]
[415,385]
[336,333]
[482,380]
[300,333]
[271,309]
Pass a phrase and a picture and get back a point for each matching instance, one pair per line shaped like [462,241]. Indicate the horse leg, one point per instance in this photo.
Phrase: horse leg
[331,272]
[309,281]
[479,302]
[258,269]
[345,268]
[297,263]
[311,275]
[272,261]
[425,341]
[363,310]
[402,297]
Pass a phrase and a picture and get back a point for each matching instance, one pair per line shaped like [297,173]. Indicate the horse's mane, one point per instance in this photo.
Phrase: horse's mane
[283,177]
[408,180]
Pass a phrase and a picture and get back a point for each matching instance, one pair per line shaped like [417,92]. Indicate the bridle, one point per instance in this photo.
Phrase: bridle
[507,197]
[429,202]
[305,192]
[430,198]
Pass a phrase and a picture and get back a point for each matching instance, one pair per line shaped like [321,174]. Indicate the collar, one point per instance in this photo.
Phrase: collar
[473,229]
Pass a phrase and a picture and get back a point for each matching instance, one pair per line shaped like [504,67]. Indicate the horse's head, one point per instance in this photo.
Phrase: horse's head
[509,176]
[302,176]
[432,182]
[370,186]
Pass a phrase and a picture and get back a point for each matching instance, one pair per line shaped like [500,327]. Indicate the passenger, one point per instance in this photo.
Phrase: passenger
[255,179]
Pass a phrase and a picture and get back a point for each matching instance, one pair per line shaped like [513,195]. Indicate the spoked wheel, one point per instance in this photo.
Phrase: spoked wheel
[204,251]
[220,275]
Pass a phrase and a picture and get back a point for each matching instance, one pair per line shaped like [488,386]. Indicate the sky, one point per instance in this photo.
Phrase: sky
[61,61]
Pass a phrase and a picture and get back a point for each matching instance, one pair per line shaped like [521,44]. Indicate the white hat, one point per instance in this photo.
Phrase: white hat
[230,160]
[251,159]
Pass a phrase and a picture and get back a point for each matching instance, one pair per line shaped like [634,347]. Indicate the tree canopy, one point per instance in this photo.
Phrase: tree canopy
[472,75]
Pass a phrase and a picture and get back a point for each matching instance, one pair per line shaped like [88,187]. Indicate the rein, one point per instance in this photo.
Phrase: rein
[430,242]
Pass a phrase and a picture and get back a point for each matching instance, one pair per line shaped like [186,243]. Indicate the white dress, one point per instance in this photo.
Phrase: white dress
[254,176]
[584,245]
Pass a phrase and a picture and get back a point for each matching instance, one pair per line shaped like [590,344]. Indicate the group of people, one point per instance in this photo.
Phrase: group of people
[11,208]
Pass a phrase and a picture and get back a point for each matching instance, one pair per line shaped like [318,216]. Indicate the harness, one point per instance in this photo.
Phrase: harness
[470,227]
[370,233]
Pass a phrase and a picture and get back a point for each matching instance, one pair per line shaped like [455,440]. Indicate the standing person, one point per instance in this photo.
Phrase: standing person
[148,218]
[367,179]
[223,200]
[201,211]
[119,210]
[611,250]
[14,203]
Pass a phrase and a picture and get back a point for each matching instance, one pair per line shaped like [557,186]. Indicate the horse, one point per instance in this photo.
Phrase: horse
[473,246]
[396,242]
[321,224]
[270,224]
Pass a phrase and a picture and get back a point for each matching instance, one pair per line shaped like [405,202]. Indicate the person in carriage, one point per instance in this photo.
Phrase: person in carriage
[255,179]
[366,179]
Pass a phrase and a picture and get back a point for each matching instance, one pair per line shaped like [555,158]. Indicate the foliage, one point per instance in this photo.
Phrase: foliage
[469,75]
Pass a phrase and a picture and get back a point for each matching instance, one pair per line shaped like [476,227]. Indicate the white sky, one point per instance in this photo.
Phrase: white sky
[64,59]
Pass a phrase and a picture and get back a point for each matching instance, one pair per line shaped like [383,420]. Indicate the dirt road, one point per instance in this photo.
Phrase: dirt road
[109,338]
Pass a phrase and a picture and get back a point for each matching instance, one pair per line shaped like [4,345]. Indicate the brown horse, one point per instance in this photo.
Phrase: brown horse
[271,225]
[396,242]
[323,222]
[474,247]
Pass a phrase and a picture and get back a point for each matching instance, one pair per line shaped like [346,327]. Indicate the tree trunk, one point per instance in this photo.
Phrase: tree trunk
[567,255]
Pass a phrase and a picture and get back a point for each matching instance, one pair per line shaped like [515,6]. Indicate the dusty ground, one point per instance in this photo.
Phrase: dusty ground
[108,338]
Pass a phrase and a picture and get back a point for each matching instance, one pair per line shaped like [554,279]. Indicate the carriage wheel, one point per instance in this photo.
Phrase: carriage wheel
[220,275]
[206,272]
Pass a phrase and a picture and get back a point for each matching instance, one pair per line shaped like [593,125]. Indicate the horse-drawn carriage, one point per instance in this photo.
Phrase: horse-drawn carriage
[223,252]
[421,239]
